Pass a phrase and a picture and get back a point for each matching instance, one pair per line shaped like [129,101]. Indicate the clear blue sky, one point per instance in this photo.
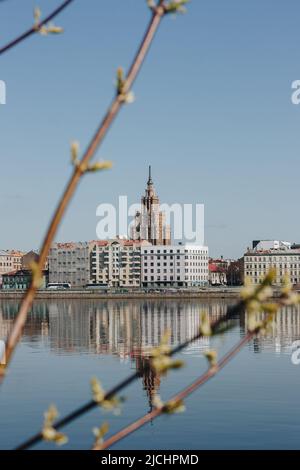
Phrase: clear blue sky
[213,116]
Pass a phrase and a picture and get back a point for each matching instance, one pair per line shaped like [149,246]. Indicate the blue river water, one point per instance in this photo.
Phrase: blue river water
[253,403]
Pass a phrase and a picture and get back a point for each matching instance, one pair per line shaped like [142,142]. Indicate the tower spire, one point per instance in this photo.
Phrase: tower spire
[150,178]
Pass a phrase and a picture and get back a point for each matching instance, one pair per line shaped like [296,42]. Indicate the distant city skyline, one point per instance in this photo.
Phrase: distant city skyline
[213,116]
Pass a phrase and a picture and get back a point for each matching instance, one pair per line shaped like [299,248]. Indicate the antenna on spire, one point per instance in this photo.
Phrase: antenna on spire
[150,178]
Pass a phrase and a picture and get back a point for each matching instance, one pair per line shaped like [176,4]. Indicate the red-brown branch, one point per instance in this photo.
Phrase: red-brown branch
[97,139]
[232,312]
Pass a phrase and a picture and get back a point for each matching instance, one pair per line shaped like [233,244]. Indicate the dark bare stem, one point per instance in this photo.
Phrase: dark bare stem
[97,139]
[211,372]
[34,29]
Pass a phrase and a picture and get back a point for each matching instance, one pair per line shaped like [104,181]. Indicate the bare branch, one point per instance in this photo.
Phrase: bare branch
[211,372]
[216,327]
[35,28]
[97,139]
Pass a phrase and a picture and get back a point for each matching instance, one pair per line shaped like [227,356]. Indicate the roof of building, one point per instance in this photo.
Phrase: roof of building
[30,253]
[20,272]
[69,245]
[121,241]
[11,253]
[272,252]
[214,268]
[16,253]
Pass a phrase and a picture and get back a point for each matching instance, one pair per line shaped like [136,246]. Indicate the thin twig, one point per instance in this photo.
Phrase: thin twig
[101,132]
[35,28]
[232,312]
[211,372]
[112,112]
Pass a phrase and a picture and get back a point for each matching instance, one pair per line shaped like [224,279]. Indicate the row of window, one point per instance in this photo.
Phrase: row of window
[272,258]
[194,257]
[257,280]
[264,266]
[175,251]
[159,264]
[260,274]
[116,249]
[171,278]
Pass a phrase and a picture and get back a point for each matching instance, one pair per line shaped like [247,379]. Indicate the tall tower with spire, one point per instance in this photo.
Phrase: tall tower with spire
[149,223]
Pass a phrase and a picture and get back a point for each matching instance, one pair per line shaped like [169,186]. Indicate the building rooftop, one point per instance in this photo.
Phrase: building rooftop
[273,252]
[121,241]
[214,268]
[20,272]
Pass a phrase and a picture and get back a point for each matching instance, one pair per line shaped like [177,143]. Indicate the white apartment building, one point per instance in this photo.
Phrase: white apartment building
[70,263]
[258,263]
[174,266]
[117,263]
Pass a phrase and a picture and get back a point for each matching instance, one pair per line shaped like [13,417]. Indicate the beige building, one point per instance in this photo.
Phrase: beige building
[6,263]
[286,261]
[150,221]
[117,263]
[17,257]
[70,263]
[10,260]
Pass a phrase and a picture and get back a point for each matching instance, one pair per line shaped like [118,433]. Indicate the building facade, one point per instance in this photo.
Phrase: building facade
[10,260]
[21,279]
[6,263]
[217,269]
[70,263]
[17,257]
[150,222]
[286,261]
[174,266]
[235,273]
[117,263]
[228,272]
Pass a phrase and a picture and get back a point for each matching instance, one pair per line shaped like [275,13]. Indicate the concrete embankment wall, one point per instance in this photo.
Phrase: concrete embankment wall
[83,294]
[209,293]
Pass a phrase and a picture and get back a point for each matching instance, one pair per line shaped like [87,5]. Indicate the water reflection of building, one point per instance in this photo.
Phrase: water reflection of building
[37,326]
[129,329]
[125,328]
[281,334]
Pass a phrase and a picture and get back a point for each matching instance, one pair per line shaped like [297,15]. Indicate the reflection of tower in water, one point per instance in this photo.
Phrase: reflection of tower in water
[150,379]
